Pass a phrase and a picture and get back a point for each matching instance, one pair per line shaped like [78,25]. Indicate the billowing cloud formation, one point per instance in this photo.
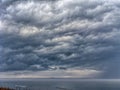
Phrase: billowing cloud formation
[50,35]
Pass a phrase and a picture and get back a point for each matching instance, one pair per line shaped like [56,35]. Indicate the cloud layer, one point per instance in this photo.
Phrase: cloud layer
[58,35]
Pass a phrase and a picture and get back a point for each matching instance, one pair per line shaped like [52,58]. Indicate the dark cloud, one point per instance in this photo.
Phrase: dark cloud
[37,35]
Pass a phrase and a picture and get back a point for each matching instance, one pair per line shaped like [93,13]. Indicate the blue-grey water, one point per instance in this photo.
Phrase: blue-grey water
[62,84]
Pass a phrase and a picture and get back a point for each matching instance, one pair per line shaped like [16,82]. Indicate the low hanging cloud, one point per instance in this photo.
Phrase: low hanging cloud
[59,35]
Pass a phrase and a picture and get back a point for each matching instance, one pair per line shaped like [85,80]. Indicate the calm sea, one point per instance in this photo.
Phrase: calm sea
[62,84]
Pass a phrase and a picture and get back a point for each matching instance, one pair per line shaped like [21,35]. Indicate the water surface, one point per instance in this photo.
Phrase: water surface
[63,84]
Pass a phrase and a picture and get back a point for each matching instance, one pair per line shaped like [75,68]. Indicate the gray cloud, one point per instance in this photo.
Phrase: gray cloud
[37,35]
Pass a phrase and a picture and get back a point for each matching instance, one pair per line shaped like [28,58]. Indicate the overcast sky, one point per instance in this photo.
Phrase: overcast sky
[60,38]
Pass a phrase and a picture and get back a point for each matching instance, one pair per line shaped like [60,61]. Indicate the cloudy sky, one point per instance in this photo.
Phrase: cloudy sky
[59,38]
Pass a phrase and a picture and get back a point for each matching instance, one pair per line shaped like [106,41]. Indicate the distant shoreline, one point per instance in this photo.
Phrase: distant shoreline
[5,88]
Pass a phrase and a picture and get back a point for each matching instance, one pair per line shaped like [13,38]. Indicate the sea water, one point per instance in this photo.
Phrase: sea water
[62,84]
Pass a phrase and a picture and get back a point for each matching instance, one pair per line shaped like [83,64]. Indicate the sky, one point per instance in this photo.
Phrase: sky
[59,38]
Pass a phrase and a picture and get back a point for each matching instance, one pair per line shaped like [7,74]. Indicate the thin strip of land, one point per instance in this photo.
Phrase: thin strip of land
[3,88]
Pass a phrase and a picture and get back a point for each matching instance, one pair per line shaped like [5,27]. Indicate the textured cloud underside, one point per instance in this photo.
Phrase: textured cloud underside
[58,35]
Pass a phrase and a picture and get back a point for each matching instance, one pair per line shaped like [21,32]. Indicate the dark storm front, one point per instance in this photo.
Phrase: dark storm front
[62,84]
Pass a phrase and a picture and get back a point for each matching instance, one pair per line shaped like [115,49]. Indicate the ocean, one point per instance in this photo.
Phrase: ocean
[61,84]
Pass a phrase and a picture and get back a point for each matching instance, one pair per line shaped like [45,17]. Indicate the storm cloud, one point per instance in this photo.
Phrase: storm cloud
[59,35]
